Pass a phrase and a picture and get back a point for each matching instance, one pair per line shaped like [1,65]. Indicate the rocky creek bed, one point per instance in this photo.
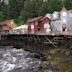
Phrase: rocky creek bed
[58,60]
[52,60]
[18,60]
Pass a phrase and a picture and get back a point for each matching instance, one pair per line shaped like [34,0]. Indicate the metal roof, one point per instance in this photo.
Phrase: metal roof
[34,19]
[9,23]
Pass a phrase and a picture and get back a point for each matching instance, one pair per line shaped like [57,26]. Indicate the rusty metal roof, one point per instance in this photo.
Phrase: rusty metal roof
[34,19]
[63,9]
[9,23]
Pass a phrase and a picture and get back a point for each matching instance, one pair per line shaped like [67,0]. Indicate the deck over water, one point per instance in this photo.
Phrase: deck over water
[54,33]
[51,33]
[38,39]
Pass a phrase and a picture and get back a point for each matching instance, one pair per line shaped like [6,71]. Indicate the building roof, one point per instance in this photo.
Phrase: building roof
[9,23]
[63,9]
[34,19]
[56,19]
[44,18]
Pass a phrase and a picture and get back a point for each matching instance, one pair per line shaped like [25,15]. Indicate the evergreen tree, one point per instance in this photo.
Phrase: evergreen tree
[14,8]
[22,10]
[1,16]
[68,4]
[31,8]
[54,5]
[3,11]
[43,9]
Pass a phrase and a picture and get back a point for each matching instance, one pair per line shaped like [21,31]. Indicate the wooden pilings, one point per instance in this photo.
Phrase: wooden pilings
[37,43]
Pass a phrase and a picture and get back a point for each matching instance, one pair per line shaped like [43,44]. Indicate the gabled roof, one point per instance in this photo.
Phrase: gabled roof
[9,23]
[34,19]
[63,9]
[44,18]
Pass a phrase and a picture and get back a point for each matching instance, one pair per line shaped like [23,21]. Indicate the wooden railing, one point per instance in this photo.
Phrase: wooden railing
[23,31]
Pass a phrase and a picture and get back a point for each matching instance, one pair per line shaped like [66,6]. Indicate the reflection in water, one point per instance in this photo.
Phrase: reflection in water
[18,60]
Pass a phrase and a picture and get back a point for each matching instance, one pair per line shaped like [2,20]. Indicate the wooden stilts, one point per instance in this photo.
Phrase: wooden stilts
[49,41]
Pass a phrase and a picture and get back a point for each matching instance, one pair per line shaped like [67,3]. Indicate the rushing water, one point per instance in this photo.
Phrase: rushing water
[18,60]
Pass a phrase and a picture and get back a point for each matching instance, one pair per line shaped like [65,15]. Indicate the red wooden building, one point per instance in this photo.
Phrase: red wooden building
[33,24]
[38,24]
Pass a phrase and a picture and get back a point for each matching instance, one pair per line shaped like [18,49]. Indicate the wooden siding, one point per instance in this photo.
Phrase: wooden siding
[38,24]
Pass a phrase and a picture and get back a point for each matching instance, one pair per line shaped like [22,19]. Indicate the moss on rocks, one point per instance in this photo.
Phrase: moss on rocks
[58,60]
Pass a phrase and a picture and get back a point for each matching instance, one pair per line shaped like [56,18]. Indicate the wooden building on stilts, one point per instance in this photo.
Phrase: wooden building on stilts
[52,30]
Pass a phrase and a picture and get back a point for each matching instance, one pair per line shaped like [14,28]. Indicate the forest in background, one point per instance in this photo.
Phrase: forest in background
[22,10]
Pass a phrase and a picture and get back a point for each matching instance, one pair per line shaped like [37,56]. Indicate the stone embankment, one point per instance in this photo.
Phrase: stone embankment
[58,60]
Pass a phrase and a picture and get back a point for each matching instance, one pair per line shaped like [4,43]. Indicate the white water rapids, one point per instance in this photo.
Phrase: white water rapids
[18,60]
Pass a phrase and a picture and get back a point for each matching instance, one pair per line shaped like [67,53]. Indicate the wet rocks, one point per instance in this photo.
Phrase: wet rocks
[58,60]
[18,60]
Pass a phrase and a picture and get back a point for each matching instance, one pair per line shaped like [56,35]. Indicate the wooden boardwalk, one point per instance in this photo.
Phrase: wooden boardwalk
[38,40]
[52,33]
